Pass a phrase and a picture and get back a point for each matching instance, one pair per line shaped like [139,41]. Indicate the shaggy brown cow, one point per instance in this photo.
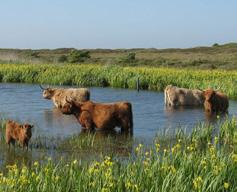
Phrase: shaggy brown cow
[102,116]
[175,96]
[18,132]
[215,101]
[58,95]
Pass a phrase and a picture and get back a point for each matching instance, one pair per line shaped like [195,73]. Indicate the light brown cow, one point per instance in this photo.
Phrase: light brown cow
[17,132]
[175,96]
[102,116]
[58,95]
[215,101]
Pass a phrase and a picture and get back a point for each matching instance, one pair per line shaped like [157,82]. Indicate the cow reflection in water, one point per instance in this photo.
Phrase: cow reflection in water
[114,140]
[213,118]
[178,112]
[54,118]
[21,158]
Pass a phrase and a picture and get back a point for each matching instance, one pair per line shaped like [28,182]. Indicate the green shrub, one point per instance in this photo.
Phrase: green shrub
[76,56]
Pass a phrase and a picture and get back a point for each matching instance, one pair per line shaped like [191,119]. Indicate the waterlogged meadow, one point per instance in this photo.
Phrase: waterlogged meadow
[124,77]
[205,160]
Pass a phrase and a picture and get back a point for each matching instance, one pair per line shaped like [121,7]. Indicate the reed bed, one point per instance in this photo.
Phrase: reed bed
[151,78]
[199,161]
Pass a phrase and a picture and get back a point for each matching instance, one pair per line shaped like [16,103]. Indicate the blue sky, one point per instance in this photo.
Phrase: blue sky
[116,24]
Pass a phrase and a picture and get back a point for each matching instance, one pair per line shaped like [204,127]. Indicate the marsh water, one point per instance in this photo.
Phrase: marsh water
[24,103]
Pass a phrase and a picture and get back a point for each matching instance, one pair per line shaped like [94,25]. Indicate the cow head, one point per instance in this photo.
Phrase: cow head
[209,94]
[48,93]
[26,128]
[69,107]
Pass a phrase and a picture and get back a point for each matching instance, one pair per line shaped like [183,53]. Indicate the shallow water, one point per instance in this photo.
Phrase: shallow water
[24,102]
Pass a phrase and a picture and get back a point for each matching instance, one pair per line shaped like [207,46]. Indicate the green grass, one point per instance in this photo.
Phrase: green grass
[193,162]
[124,77]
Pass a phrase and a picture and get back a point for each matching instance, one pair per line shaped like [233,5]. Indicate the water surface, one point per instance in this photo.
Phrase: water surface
[24,102]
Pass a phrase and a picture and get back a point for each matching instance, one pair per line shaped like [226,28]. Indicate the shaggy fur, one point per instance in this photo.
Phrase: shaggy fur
[18,132]
[215,101]
[175,96]
[58,95]
[102,116]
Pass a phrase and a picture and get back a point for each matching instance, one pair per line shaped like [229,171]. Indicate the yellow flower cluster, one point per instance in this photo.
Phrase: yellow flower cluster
[226,185]
[176,148]
[197,183]
[234,158]
[157,147]
[139,148]
[130,186]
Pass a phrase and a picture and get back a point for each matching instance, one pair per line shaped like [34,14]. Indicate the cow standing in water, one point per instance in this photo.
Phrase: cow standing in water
[215,101]
[102,116]
[175,96]
[17,132]
[58,95]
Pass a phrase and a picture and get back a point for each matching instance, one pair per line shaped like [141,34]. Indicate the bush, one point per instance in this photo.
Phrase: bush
[215,45]
[76,56]
[131,56]
[62,59]
[31,53]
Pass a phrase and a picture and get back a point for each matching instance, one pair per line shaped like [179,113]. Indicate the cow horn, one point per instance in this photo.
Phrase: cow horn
[41,87]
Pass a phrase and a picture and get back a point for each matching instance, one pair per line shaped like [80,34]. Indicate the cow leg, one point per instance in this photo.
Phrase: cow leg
[89,124]
[11,141]
[25,144]
[86,120]
[22,144]
[165,95]
[8,141]
[126,126]
[168,100]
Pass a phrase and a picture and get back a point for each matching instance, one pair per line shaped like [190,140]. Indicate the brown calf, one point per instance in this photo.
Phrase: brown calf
[18,132]
[102,116]
[215,101]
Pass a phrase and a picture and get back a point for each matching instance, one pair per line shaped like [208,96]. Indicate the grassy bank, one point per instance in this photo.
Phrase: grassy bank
[123,77]
[195,162]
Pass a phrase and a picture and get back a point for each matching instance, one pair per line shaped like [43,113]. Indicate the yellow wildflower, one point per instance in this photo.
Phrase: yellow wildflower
[36,163]
[24,170]
[74,162]
[33,174]
[226,185]
[157,147]
[234,158]
[138,148]
[197,182]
